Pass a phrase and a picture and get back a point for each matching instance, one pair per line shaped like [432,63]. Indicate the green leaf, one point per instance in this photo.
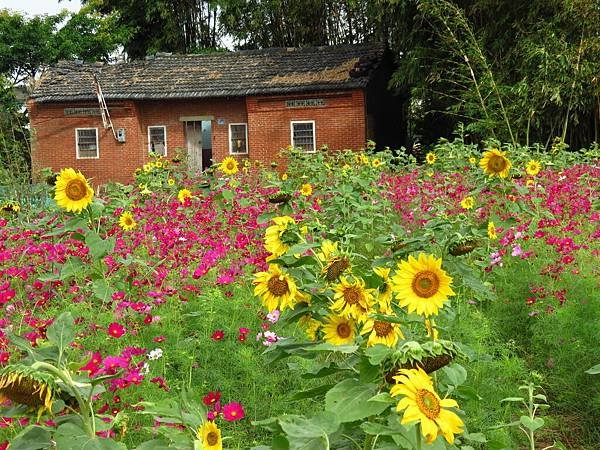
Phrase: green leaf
[99,247]
[228,195]
[62,331]
[31,438]
[311,393]
[309,434]
[71,267]
[456,374]
[349,399]
[102,290]
[531,424]
[265,217]
[71,436]
[378,353]
[594,370]
[512,399]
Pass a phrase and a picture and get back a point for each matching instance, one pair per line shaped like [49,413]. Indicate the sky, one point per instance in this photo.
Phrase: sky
[32,7]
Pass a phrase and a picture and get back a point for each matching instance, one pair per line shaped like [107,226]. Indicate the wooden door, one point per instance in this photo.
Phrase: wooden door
[193,137]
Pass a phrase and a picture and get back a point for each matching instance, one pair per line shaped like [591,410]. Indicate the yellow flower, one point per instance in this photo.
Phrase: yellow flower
[311,326]
[72,191]
[467,202]
[533,168]
[284,176]
[430,158]
[422,404]
[27,386]
[338,330]
[495,162]
[473,160]
[278,237]
[141,186]
[429,173]
[10,207]
[183,194]
[364,159]
[351,299]
[145,191]
[530,182]
[385,288]
[127,222]
[376,163]
[491,230]
[170,181]
[306,189]
[158,164]
[381,332]
[210,435]
[276,289]
[229,166]
[421,285]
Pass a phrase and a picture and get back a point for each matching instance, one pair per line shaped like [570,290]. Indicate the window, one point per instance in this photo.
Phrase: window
[238,138]
[86,142]
[157,140]
[303,135]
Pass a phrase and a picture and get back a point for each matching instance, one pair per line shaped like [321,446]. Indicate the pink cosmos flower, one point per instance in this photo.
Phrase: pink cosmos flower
[233,411]
[116,330]
[218,335]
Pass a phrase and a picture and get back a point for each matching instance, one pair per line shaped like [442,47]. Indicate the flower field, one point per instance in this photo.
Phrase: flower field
[345,301]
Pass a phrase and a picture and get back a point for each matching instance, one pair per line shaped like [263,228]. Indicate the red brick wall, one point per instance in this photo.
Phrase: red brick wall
[339,124]
[54,141]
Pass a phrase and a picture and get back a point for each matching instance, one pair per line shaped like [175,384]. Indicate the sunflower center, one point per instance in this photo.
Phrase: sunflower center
[382,329]
[128,221]
[426,284]
[428,403]
[497,163]
[230,166]
[343,330]
[212,438]
[278,287]
[76,190]
[352,295]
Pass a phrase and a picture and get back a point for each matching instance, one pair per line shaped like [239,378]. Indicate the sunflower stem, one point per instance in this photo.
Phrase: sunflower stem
[418,430]
[86,413]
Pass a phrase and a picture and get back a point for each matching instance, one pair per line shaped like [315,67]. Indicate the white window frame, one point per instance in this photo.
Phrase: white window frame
[77,144]
[164,127]
[314,128]
[231,152]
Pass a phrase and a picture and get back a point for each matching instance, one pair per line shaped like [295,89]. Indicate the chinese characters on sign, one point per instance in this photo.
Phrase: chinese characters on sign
[305,103]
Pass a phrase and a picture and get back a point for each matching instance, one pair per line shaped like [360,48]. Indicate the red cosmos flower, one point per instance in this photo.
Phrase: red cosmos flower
[148,319]
[242,337]
[211,398]
[218,335]
[159,339]
[116,330]
[4,358]
[233,411]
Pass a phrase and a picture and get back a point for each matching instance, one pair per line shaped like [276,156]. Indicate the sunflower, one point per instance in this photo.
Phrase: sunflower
[210,435]
[422,285]
[276,288]
[229,166]
[10,207]
[376,163]
[422,404]
[382,332]
[351,299]
[473,160]
[385,288]
[430,158]
[306,190]
[310,326]
[491,231]
[495,162]
[127,222]
[338,330]
[467,202]
[284,177]
[72,191]
[183,195]
[334,263]
[27,386]
[279,237]
[170,181]
[533,167]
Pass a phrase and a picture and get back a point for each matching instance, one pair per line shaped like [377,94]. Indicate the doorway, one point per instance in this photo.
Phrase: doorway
[198,137]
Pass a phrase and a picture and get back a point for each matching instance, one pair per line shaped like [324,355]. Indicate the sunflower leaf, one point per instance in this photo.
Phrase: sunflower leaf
[349,399]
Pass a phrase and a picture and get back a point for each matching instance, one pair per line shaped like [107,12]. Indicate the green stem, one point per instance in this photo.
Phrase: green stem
[86,414]
[419,444]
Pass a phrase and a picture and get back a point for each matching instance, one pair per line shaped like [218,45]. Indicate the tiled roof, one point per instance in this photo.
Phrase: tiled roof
[253,72]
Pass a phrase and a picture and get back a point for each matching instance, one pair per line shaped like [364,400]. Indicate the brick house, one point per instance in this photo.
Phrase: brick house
[248,104]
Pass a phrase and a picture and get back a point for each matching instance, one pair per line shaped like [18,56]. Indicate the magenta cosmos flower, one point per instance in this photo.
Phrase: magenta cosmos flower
[233,411]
